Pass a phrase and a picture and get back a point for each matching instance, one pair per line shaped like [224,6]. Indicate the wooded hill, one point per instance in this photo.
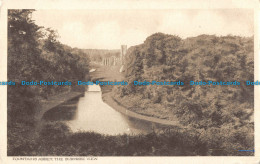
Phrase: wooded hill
[220,111]
[34,53]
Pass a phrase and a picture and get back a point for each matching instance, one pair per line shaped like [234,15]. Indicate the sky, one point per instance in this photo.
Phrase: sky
[108,29]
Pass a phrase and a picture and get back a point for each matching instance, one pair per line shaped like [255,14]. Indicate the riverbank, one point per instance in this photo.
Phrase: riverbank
[55,139]
[111,101]
[152,114]
[108,99]
[24,132]
[53,101]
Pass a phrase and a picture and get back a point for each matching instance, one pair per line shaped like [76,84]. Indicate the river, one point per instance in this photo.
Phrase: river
[90,113]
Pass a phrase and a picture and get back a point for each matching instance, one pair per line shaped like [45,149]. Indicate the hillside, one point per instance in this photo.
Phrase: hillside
[214,109]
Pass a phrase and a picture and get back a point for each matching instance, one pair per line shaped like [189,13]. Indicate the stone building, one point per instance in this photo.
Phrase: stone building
[112,61]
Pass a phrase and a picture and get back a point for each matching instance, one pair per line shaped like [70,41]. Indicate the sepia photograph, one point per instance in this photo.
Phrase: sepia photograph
[89,83]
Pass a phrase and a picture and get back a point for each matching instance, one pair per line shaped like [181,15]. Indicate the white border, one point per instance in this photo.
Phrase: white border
[127,4]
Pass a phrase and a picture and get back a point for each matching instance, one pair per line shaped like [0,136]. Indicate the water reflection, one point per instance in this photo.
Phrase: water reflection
[90,113]
[63,112]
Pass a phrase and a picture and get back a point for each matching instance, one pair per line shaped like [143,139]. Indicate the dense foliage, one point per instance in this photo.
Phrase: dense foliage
[56,140]
[216,110]
[34,53]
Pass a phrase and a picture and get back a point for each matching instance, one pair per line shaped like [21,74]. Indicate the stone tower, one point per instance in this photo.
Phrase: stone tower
[123,53]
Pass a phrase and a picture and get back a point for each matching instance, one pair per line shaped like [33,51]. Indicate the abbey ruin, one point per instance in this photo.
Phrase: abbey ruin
[112,61]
